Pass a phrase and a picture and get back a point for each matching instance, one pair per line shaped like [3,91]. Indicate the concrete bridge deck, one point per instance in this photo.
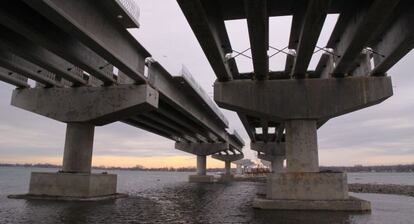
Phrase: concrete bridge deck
[90,71]
[282,110]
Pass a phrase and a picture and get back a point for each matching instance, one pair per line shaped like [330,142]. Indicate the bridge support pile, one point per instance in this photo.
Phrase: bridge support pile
[274,152]
[201,175]
[75,181]
[82,109]
[227,159]
[301,105]
[201,150]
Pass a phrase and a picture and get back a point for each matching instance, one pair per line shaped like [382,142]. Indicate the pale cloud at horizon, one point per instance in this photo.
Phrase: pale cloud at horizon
[382,134]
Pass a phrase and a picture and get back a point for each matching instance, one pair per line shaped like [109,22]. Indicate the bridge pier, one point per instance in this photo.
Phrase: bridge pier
[75,181]
[277,164]
[227,159]
[302,106]
[274,152]
[201,175]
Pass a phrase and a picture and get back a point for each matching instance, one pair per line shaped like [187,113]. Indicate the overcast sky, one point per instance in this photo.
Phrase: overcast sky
[382,134]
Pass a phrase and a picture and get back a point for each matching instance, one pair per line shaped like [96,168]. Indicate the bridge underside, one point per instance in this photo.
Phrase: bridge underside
[90,71]
[288,106]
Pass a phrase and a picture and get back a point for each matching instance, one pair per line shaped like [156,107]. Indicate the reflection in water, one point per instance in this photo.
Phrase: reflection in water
[173,200]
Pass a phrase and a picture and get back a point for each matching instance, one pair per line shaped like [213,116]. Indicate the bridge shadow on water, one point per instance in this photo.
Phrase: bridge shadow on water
[178,203]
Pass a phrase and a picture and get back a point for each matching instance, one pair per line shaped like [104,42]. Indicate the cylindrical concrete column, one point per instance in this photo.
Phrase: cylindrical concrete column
[201,165]
[277,164]
[77,157]
[227,165]
[302,146]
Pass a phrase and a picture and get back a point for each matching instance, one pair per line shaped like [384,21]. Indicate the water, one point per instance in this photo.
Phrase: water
[381,178]
[164,197]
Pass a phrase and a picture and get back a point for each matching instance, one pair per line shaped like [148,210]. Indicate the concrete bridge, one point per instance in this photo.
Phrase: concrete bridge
[367,40]
[90,71]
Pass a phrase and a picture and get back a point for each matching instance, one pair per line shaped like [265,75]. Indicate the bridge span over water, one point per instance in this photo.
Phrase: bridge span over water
[90,71]
[369,37]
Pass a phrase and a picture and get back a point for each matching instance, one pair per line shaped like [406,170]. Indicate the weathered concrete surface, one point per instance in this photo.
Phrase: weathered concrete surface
[302,99]
[201,178]
[97,105]
[351,204]
[227,167]
[269,148]
[72,184]
[201,165]
[77,156]
[202,149]
[229,158]
[307,186]
[301,146]
[277,164]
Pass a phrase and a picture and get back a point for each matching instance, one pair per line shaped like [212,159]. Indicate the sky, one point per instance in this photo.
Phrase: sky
[381,134]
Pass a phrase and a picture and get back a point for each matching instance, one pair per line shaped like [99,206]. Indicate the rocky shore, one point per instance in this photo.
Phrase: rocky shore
[382,189]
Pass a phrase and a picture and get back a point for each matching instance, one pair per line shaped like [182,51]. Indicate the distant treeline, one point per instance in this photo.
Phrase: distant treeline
[137,167]
[360,168]
[357,168]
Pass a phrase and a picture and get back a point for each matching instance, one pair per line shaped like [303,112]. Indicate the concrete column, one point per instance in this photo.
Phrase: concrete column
[201,165]
[302,146]
[277,164]
[239,169]
[227,165]
[77,157]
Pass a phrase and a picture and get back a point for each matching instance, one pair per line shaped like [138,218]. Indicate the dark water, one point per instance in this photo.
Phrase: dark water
[163,197]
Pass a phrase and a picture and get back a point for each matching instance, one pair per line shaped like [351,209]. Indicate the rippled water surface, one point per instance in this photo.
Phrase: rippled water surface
[163,197]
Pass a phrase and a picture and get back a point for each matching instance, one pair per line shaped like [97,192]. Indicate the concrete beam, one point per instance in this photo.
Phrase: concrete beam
[363,64]
[171,93]
[133,122]
[20,18]
[102,33]
[202,149]
[13,78]
[209,28]
[189,85]
[298,14]
[186,123]
[395,43]
[325,66]
[165,125]
[24,48]
[25,68]
[311,26]
[160,128]
[269,148]
[156,117]
[280,132]
[356,30]
[249,129]
[127,12]
[228,158]
[304,99]
[265,157]
[95,105]
[258,26]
